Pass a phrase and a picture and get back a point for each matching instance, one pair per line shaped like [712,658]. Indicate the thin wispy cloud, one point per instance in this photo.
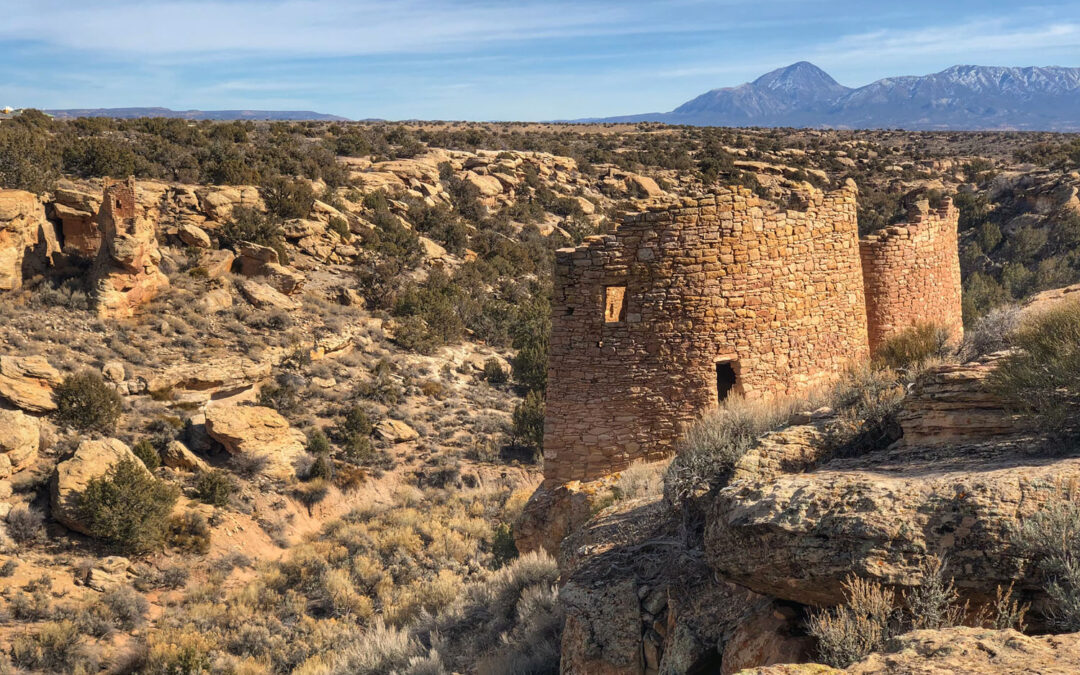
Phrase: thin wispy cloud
[490,59]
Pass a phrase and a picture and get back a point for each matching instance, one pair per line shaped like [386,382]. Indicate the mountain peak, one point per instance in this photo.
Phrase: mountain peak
[802,77]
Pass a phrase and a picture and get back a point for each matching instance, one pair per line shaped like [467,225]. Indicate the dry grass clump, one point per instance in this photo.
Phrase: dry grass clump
[991,333]
[712,446]
[641,480]
[915,347]
[871,616]
[849,632]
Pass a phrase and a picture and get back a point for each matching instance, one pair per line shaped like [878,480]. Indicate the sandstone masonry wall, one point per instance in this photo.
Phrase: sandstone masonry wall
[651,324]
[911,274]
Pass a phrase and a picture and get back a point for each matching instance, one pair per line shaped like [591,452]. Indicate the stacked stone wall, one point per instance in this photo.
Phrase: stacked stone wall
[911,274]
[776,295]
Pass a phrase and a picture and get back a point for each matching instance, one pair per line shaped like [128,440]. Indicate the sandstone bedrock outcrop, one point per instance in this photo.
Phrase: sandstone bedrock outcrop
[879,516]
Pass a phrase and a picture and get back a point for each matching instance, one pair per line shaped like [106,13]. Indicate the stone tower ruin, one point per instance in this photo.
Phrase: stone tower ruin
[682,306]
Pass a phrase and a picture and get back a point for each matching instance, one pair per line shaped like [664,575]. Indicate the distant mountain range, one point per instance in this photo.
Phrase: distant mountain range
[132,113]
[958,98]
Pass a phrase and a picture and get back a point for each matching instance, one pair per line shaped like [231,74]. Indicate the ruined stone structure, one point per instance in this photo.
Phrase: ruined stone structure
[126,273]
[912,272]
[683,306]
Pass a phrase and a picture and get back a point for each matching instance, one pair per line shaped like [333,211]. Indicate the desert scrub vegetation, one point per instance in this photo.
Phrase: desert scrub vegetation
[1051,539]
[862,407]
[374,591]
[85,402]
[1042,376]
[915,347]
[128,508]
[873,613]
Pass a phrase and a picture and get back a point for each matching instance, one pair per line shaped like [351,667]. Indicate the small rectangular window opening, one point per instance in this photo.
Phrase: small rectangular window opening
[614,304]
[725,380]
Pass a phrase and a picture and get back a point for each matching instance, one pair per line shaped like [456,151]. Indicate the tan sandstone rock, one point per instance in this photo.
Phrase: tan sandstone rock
[193,235]
[395,431]
[27,382]
[265,297]
[91,459]
[177,456]
[257,431]
[21,219]
[20,438]
[879,516]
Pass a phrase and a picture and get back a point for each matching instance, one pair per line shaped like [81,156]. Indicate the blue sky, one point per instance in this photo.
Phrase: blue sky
[487,60]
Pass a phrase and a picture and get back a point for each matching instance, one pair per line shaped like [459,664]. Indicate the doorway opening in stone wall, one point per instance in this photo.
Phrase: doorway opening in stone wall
[726,379]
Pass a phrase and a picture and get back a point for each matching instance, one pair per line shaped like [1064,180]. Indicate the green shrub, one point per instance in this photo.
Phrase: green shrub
[288,198]
[321,469]
[503,547]
[528,421]
[914,347]
[494,372]
[214,487]
[1042,377]
[248,224]
[127,507]
[1051,538]
[87,403]
[146,451]
[318,443]
[354,435]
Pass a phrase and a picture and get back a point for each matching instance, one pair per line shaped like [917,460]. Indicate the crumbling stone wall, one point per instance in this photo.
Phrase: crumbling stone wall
[125,273]
[911,273]
[652,323]
[681,306]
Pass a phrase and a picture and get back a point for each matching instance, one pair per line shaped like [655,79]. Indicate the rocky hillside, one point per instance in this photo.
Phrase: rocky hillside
[275,404]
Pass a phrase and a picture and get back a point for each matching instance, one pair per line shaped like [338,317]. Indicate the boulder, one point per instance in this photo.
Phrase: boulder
[20,438]
[252,257]
[218,202]
[91,459]
[216,300]
[555,511]
[975,650]
[214,377]
[257,431]
[113,371]
[177,456]
[217,263]
[602,633]
[283,279]
[879,516]
[21,219]
[193,235]
[643,185]
[125,272]
[395,431]
[27,382]
[265,297]
[488,186]
[951,403]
